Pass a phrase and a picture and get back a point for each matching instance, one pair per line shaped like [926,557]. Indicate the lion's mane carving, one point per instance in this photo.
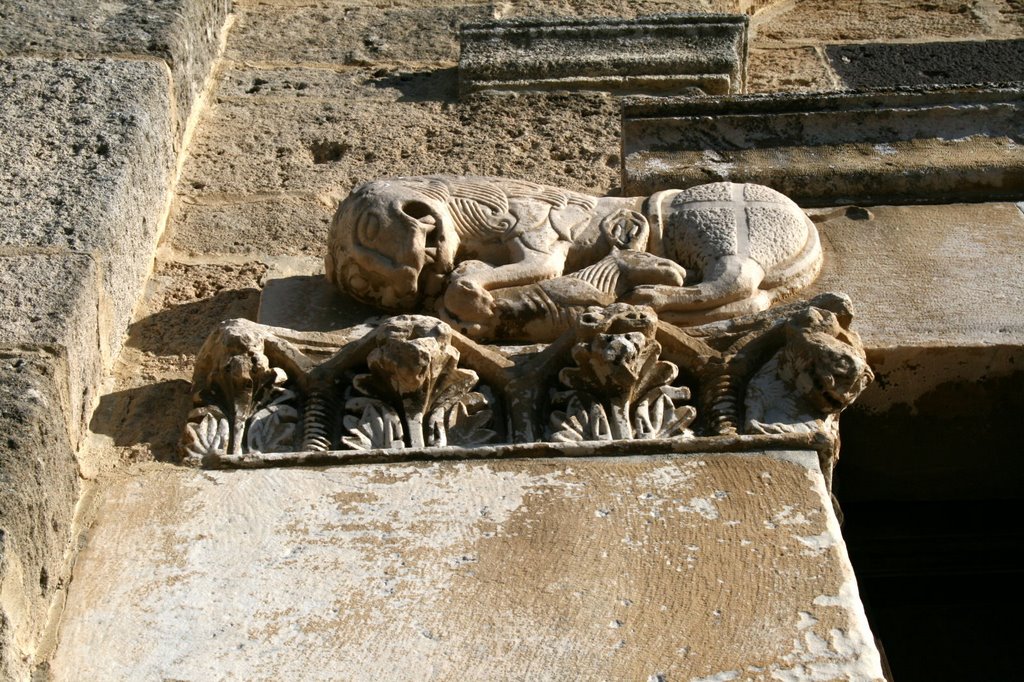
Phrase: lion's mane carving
[506,258]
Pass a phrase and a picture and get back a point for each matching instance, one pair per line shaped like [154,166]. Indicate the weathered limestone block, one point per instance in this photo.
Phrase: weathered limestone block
[660,567]
[85,166]
[904,146]
[507,259]
[654,54]
[51,301]
[184,33]
[38,492]
[347,33]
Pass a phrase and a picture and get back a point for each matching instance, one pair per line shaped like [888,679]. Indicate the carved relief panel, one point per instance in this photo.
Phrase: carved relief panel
[651,319]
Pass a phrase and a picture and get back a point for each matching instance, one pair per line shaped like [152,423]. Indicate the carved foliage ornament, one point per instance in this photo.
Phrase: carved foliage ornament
[609,282]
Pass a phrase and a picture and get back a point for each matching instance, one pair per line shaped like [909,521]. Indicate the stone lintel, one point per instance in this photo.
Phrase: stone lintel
[659,567]
[925,145]
[662,54]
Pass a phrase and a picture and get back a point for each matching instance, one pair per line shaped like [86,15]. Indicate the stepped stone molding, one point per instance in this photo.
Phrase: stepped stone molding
[664,54]
[914,145]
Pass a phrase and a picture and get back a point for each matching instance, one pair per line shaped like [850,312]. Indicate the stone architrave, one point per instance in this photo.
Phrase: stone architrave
[911,145]
[661,54]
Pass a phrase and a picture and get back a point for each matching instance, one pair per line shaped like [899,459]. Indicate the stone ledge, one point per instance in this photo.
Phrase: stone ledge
[86,165]
[654,54]
[824,149]
[38,492]
[610,568]
[183,33]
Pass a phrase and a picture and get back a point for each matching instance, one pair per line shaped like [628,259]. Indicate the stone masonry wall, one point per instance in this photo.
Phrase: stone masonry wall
[311,98]
[94,104]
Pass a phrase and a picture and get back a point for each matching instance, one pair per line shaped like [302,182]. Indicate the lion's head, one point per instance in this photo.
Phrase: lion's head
[392,242]
[824,362]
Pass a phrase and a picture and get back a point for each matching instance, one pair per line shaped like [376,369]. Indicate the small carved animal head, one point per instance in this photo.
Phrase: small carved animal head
[392,242]
[824,362]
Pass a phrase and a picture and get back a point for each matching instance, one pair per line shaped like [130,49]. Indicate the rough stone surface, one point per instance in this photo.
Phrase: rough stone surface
[85,165]
[619,8]
[346,34]
[38,491]
[659,55]
[511,570]
[887,20]
[183,33]
[292,226]
[918,146]
[324,147]
[898,64]
[51,301]
[928,275]
[789,69]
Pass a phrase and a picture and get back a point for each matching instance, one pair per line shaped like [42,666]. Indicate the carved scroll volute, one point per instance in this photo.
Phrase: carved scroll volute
[619,388]
[415,393]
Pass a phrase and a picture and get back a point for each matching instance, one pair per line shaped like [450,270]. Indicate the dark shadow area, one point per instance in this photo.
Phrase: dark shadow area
[938,581]
[931,500]
[890,65]
[441,85]
[149,418]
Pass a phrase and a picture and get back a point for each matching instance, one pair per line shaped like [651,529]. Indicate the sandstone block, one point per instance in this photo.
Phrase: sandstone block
[346,34]
[917,146]
[660,54]
[38,492]
[85,166]
[327,145]
[658,567]
[51,301]
[184,33]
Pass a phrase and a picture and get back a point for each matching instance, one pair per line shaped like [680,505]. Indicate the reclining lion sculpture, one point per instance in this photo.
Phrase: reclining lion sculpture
[501,258]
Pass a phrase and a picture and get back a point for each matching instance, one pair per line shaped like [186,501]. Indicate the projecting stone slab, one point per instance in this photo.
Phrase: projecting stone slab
[887,65]
[920,146]
[38,491]
[184,33]
[661,567]
[656,54]
[51,301]
[85,165]
[928,275]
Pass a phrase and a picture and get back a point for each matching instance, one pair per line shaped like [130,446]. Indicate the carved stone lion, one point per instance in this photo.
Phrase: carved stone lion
[817,374]
[500,257]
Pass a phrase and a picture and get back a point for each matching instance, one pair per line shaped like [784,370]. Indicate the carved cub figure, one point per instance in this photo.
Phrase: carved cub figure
[480,249]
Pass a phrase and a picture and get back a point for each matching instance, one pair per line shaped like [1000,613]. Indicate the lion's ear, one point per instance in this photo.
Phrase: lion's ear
[626,230]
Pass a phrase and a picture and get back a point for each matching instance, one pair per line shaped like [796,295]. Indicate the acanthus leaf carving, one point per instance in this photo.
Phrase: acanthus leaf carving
[619,388]
[420,396]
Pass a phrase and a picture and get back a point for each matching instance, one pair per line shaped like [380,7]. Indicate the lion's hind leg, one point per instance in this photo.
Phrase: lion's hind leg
[730,282]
